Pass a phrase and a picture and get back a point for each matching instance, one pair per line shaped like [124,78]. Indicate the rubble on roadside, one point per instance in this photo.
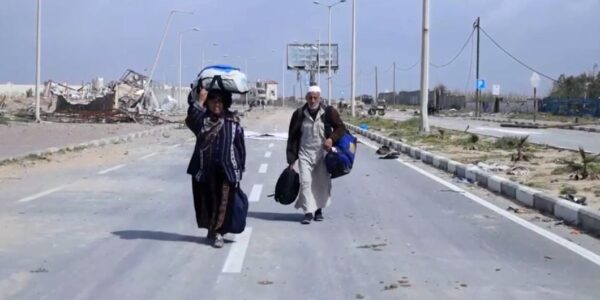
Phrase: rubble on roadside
[130,99]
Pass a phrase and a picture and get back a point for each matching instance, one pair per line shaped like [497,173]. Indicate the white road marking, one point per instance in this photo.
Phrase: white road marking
[110,169]
[585,253]
[255,193]
[263,168]
[509,131]
[148,156]
[237,252]
[268,154]
[44,193]
[174,146]
[271,145]
[190,140]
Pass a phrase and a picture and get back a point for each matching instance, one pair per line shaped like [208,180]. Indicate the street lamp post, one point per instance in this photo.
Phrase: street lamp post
[353,61]
[535,82]
[162,42]
[38,60]
[329,7]
[425,69]
[179,98]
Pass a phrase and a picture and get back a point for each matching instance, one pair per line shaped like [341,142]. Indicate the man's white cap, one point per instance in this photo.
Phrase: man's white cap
[314,89]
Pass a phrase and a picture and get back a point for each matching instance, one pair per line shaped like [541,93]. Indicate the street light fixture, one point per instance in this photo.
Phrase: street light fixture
[329,7]
[179,98]
[162,42]
[353,61]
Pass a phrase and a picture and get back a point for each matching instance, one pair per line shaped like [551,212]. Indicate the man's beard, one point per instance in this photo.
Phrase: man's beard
[314,106]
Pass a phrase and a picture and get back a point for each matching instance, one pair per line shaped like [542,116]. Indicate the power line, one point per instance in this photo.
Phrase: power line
[516,59]
[409,68]
[458,54]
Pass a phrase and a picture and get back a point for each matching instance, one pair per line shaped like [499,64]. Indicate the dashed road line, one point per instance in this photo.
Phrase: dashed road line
[268,154]
[271,145]
[111,169]
[255,193]
[44,193]
[237,252]
[263,168]
[148,156]
[174,146]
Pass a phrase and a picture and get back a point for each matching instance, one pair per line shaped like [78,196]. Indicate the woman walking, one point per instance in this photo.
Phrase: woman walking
[218,161]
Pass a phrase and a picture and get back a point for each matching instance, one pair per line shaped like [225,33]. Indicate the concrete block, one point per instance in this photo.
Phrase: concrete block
[461,171]
[471,173]
[452,166]
[436,161]
[509,189]
[567,211]
[482,178]
[443,164]
[494,183]
[589,219]
[544,203]
[525,195]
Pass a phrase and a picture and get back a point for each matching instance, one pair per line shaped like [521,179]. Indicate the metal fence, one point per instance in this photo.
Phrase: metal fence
[571,107]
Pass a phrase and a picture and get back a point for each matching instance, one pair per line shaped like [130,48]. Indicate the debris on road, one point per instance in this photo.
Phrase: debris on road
[575,199]
[391,155]
[359,296]
[392,286]
[374,247]
[39,270]
[265,282]
[383,150]
[515,210]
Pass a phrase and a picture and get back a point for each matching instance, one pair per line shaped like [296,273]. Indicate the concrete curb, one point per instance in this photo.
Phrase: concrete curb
[538,125]
[572,213]
[91,144]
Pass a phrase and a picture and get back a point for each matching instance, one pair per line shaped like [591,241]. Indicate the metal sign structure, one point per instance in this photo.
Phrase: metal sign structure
[481,84]
[311,57]
[496,90]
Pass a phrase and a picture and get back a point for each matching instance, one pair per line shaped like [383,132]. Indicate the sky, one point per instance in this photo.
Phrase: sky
[102,38]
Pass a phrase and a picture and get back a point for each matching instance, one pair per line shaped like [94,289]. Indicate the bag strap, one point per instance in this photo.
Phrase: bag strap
[327,122]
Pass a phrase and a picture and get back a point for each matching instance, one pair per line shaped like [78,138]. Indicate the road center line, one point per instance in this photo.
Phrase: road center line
[263,168]
[44,193]
[110,169]
[237,252]
[268,154]
[174,146]
[271,145]
[148,156]
[255,193]
[585,253]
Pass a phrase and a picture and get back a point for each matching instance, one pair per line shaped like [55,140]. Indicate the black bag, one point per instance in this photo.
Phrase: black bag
[237,212]
[287,187]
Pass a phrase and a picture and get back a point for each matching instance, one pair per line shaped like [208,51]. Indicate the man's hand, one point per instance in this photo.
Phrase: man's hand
[202,96]
[328,144]
[291,167]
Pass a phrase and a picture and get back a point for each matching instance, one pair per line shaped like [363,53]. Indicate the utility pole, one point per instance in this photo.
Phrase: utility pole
[283,76]
[477,90]
[353,61]
[376,85]
[425,69]
[38,60]
[394,84]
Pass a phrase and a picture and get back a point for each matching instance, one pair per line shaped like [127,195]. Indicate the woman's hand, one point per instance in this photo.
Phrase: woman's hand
[202,96]
[328,144]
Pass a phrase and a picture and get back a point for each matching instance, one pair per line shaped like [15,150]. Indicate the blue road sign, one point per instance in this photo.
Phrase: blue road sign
[481,84]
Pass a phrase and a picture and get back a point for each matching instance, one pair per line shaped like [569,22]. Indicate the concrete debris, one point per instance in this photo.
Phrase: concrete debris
[518,171]
[121,101]
[493,167]
[383,150]
[575,199]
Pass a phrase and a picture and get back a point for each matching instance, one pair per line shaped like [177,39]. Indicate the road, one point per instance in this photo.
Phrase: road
[570,139]
[122,227]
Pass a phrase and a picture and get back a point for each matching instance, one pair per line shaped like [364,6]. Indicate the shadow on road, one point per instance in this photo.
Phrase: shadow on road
[159,236]
[269,216]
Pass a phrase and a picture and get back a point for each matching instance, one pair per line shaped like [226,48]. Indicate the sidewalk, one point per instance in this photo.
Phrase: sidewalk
[19,139]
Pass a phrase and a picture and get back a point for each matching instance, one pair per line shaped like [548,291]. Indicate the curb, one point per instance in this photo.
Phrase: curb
[572,213]
[91,144]
[538,125]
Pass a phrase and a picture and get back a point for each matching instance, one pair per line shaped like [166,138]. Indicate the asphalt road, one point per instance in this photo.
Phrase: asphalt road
[127,231]
[570,139]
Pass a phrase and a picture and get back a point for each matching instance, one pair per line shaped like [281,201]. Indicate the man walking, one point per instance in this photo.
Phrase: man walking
[313,131]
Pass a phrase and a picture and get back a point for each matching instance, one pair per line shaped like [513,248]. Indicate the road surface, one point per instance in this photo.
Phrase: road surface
[122,227]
